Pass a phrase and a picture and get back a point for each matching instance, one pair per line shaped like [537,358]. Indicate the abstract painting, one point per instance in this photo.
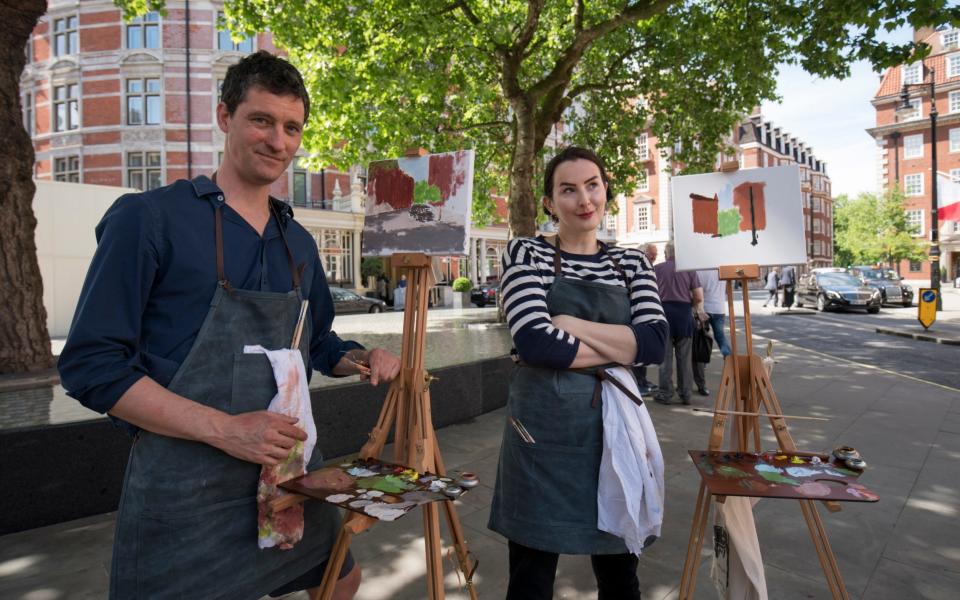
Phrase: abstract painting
[419,204]
[749,216]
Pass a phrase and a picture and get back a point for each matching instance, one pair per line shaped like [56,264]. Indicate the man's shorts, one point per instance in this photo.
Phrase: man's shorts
[313,578]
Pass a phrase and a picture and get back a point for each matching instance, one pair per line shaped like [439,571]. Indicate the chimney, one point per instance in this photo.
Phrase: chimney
[923,33]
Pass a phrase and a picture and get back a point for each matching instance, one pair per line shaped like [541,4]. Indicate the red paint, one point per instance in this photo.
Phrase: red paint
[390,185]
[444,174]
[741,199]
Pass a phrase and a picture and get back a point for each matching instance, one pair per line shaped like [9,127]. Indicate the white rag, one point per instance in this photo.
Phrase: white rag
[630,490]
[737,569]
[284,529]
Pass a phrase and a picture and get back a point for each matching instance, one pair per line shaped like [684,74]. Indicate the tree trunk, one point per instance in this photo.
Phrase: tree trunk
[523,200]
[24,340]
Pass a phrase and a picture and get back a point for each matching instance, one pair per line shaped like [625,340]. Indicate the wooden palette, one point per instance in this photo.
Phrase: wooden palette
[376,489]
[771,475]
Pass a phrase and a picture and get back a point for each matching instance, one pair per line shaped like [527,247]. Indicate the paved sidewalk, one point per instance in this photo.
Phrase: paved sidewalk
[905,547]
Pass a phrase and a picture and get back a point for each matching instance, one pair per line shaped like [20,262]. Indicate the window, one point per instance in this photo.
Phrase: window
[641,216]
[954,103]
[913,184]
[66,107]
[28,50]
[143,101]
[915,221]
[219,158]
[949,39]
[816,225]
[66,168]
[913,146]
[143,170]
[28,113]
[955,139]
[610,222]
[300,191]
[643,182]
[955,175]
[953,65]
[917,111]
[643,147]
[226,43]
[219,91]
[144,32]
[336,254]
[65,36]
[910,74]
[915,266]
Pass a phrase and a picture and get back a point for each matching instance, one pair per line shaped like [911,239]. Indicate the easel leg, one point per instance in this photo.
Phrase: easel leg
[828,562]
[691,565]
[335,562]
[433,543]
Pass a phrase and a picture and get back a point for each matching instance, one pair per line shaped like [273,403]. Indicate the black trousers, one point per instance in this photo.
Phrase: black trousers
[532,573]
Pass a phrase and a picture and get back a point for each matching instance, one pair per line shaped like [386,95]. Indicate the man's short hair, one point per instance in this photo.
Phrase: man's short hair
[262,69]
[668,251]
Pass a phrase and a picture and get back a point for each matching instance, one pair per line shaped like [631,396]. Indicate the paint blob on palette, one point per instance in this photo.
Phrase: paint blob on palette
[377,489]
[772,475]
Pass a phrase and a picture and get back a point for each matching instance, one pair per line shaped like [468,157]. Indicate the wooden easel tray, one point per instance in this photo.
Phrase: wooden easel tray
[374,488]
[774,475]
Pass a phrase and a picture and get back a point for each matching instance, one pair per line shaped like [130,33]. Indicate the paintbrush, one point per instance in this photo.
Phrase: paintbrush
[362,367]
[521,431]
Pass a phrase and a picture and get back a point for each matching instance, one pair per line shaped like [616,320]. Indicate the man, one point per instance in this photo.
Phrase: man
[644,384]
[714,304]
[788,281]
[773,283]
[183,278]
[680,295]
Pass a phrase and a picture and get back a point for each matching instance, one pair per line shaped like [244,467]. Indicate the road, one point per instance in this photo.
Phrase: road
[852,336]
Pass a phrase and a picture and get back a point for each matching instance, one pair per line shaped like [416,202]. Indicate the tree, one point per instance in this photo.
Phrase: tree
[24,339]
[873,229]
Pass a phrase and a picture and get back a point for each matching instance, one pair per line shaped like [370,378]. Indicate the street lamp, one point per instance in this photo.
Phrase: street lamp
[903,109]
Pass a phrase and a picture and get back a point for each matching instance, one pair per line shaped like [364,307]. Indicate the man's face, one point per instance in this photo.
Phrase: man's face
[263,135]
[652,254]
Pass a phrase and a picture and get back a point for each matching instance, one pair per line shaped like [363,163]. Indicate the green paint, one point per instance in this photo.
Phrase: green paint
[847,472]
[728,222]
[705,466]
[424,193]
[777,478]
[728,471]
[390,484]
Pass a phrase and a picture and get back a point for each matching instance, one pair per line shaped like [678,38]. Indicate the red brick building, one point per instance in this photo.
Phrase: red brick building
[904,142]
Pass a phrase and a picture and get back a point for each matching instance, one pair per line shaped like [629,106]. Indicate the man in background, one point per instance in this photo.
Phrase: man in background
[680,295]
[788,281]
[714,304]
[646,386]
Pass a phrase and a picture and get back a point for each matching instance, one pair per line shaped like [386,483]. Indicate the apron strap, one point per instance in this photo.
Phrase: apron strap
[294,271]
[557,269]
[602,375]
[222,280]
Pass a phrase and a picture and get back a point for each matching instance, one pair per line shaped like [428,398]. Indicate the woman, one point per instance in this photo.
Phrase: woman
[573,304]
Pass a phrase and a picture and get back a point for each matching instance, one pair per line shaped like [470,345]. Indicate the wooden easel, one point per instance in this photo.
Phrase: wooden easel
[744,385]
[415,442]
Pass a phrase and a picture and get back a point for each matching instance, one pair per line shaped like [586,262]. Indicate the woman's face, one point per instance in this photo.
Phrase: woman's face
[579,195]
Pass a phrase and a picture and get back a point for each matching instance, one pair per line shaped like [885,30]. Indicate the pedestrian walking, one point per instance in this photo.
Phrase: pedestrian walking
[715,305]
[788,281]
[773,284]
[183,278]
[573,304]
[680,294]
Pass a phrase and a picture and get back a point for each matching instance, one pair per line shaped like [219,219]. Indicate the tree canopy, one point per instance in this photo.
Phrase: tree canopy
[499,76]
[871,229]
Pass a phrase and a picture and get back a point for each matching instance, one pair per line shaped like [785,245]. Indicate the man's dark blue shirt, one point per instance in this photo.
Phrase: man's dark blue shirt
[152,278]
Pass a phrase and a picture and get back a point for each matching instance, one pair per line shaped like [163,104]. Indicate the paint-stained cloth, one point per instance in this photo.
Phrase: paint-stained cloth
[630,491]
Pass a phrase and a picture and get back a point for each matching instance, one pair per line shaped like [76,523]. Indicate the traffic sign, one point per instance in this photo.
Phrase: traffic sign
[927,307]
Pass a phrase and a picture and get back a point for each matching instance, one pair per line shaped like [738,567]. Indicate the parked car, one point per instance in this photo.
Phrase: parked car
[485,294]
[345,301]
[830,289]
[892,290]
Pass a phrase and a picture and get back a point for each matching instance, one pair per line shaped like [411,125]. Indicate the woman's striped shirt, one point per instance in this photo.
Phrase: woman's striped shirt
[527,276]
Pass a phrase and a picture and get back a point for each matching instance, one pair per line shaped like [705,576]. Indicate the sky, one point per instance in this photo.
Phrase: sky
[831,116]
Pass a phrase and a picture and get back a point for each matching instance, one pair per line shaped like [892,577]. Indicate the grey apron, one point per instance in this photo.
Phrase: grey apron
[187,524]
[546,492]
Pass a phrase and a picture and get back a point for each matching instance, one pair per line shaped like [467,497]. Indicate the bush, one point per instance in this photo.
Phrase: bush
[462,284]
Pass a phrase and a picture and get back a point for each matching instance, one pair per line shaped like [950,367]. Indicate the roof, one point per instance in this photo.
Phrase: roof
[892,80]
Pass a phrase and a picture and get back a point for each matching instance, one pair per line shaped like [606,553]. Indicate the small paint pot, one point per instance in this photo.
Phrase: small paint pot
[815,460]
[844,452]
[453,491]
[856,463]
[468,480]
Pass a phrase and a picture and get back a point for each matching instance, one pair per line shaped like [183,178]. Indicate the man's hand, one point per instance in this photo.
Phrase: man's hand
[260,437]
[384,366]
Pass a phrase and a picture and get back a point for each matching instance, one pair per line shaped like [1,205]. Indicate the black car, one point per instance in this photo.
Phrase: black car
[485,294]
[892,291]
[345,301]
[829,289]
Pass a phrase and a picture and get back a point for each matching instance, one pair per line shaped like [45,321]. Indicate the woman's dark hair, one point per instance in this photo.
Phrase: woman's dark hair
[262,69]
[568,154]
